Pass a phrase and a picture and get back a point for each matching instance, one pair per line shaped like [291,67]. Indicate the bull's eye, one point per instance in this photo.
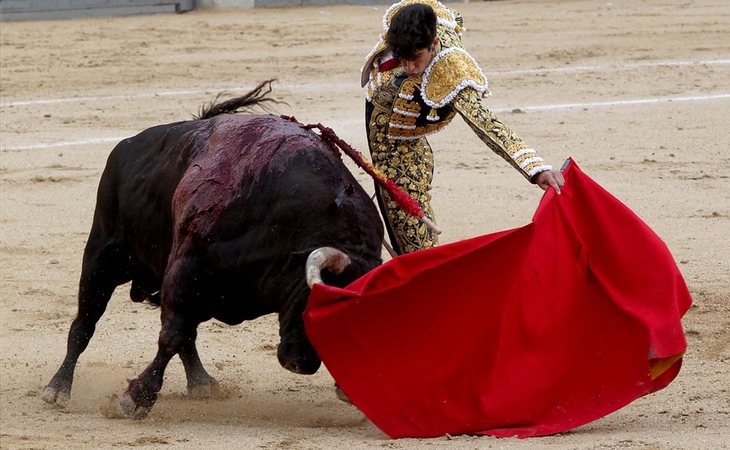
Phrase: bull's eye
[349,189]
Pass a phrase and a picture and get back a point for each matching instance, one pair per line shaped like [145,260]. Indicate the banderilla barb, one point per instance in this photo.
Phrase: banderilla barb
[401,197]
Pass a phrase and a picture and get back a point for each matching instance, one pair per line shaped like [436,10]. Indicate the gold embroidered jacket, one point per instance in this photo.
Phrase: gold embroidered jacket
[452,83]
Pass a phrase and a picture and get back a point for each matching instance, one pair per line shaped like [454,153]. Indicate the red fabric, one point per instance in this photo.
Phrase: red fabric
[525,332]
[389,65]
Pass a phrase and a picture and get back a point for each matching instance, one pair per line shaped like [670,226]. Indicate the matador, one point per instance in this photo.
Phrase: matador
[414,89]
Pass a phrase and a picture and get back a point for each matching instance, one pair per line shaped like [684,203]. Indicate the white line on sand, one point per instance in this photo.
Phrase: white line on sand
[596,68]
[553,107]
[636,101]
[302,87]
[64,143]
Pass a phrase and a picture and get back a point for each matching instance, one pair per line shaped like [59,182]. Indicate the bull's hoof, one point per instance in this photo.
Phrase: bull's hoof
[56,397]
[123,408]
[202,391]
[132,409]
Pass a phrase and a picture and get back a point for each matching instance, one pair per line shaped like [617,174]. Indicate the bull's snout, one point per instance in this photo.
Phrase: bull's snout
[298,357]
[302,367]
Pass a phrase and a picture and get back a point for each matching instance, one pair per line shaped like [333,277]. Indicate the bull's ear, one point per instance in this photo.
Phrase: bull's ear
[300,255]
[298,259]
[304,253]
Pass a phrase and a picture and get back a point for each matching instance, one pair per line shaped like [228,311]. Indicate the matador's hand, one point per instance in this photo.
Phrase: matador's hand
[550,178]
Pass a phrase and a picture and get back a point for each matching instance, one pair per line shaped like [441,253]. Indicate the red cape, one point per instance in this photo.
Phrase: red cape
[525,332]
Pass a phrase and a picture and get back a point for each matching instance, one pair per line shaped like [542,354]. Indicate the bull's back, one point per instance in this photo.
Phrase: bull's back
[262,168]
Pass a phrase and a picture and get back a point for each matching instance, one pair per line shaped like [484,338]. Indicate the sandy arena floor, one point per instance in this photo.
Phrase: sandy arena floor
[638,92]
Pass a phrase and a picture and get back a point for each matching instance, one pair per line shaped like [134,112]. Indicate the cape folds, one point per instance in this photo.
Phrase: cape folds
[525,332]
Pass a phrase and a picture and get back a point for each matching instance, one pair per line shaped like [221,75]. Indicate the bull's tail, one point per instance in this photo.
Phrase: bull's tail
[257,96]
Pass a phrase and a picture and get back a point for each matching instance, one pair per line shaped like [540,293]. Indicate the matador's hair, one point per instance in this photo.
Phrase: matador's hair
[412,28]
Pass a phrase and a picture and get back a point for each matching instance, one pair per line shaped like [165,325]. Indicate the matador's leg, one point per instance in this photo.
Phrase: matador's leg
[410,166]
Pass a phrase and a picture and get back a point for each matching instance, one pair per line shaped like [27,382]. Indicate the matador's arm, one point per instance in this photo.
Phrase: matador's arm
[497,135]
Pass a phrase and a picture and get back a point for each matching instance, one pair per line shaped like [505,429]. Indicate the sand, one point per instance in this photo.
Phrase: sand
[632,90]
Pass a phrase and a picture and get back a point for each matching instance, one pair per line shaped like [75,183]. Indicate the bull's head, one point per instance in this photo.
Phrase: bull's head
[295,352]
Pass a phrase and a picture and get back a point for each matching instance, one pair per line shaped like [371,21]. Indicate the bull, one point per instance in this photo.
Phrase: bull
[215,218]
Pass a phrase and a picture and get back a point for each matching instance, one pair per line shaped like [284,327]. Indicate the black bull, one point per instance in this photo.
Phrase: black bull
[215,218]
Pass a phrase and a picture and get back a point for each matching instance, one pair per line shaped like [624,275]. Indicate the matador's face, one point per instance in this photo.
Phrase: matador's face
[414,67]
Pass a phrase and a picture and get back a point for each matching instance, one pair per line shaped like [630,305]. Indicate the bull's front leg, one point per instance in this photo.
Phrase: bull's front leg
[295,351]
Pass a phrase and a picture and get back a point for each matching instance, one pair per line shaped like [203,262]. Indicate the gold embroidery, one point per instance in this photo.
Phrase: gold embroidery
[402,121]
[405,109]
[408,106]
[410,165]
[408,88]
[451,71]
[377,80]
[421,131]
[498,137]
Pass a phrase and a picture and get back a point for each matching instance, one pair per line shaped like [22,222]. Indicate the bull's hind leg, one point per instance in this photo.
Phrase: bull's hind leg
[101,273]
[200,384]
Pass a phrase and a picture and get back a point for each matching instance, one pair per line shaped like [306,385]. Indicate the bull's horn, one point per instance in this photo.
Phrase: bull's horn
[325,258]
